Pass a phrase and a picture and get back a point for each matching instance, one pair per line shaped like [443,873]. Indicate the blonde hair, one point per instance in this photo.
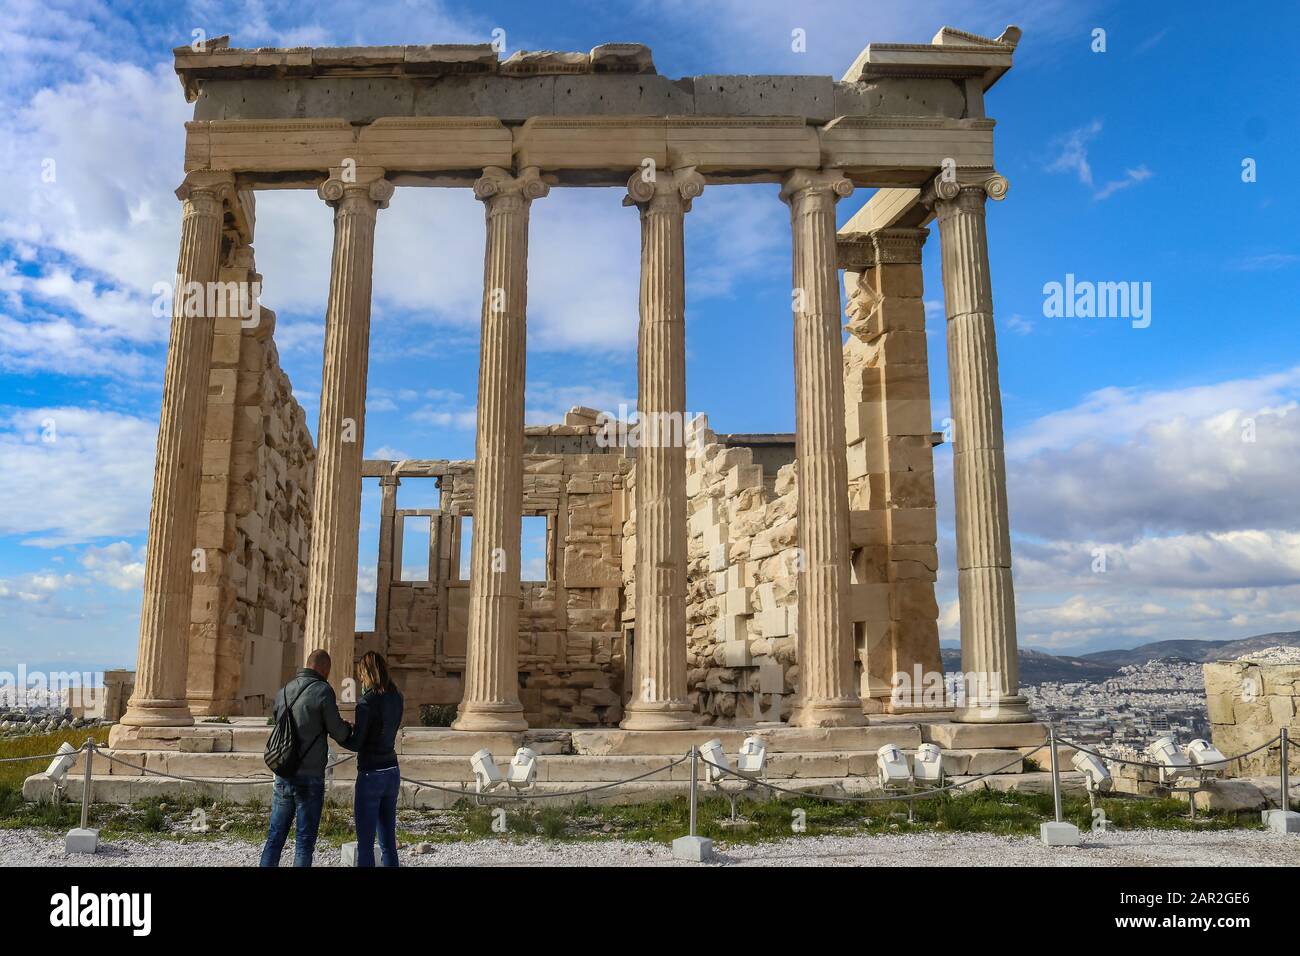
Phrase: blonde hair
[372,671]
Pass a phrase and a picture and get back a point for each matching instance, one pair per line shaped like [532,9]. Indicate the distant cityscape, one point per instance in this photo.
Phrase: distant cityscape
[1122,714]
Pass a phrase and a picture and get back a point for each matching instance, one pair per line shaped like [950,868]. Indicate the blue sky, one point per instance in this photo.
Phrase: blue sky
[1125,165]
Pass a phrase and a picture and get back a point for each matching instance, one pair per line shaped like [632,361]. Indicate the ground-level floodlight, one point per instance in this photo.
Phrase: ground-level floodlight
[1206,757]
[753,756]
[716,763]
[1173,762]
[1096,775]
[892,767]
[58,769]
[486,775]
[523,769]
[927,765]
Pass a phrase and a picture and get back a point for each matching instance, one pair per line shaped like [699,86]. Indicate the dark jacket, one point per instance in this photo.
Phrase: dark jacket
[316,712]
[378,719]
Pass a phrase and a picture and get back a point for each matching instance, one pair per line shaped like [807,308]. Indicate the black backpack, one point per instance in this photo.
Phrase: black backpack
[282,753]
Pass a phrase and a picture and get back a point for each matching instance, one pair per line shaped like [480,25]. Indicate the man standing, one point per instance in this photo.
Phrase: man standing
[299,799]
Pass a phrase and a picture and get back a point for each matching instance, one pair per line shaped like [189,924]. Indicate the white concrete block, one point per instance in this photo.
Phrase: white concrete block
[696,849]
[79,840]
[1282,821]
[1059,834]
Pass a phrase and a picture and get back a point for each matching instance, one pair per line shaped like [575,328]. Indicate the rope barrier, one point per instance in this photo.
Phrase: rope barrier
[39,756]
[463,791]
[1156,766]
[888,798]
[542,796]
[229,781]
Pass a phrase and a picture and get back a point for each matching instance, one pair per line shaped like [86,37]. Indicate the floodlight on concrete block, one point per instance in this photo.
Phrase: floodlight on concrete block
[58,769]
[716,760]
[1173,762]
[892,766]
[753,756]
[486,775]
[1096,775]
[523,769]
[927,765]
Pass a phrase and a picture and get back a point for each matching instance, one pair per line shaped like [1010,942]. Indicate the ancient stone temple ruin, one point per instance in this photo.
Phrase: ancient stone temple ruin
[693,579]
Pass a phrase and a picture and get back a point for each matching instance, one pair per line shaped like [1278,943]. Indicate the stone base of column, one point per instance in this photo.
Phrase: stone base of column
[1000,710]
[659,715]
[505,717]
[202,707]
[157,713]
[844,712]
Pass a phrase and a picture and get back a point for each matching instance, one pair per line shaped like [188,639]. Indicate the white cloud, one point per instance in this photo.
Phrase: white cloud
[92,480]
[34,587]
[117,565]
[1072,152]
[1072,157]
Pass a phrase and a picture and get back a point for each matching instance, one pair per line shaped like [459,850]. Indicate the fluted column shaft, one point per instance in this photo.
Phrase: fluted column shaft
[159,696]
[988,610]
[659,700]
[356,196]
[491,697]
[827,695]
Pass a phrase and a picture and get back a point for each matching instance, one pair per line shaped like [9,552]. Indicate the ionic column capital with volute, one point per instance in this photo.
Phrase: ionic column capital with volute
[828,185]
[652,189]
[498,185]
[362,185]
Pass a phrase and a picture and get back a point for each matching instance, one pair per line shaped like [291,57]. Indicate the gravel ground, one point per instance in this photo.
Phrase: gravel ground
[1129,848]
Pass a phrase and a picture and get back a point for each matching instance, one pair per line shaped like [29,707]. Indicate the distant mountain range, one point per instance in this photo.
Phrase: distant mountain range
[1039,666]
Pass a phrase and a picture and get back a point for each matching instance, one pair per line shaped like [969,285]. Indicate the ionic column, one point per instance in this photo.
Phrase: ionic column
[159,696]
[827,697]
[356,196]
[491,698]
[988,609]
[659,700]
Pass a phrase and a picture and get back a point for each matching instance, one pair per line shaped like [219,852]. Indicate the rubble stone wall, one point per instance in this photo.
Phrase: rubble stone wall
[253,527]
[570,625]
[1249,703]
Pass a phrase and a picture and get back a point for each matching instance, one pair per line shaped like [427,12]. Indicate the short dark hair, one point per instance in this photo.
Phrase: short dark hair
[318,658]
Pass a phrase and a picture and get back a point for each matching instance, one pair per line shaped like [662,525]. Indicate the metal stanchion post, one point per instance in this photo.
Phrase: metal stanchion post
[1285,774]
[1284,819]
[84,839]
[695,786]
[691,847]
[1056,772]
[1058,832]
[85,784]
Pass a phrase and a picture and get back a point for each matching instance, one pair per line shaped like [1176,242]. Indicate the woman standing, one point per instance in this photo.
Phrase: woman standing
[378,718]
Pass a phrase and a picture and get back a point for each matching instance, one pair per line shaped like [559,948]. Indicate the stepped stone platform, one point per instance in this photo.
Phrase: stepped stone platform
[225,760]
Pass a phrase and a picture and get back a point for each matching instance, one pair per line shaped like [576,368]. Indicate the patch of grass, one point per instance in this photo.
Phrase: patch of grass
[13,774]
[153,820]
[437,715]
[478,822]
[554,822]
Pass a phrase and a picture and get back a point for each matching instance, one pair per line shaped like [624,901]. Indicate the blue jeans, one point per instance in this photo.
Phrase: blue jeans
[375,808]
[295,800]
